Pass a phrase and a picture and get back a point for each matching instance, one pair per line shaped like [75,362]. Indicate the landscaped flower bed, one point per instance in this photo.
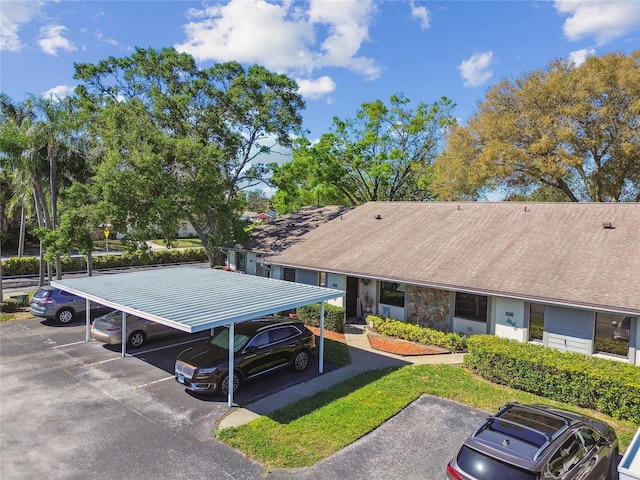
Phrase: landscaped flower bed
[401,347]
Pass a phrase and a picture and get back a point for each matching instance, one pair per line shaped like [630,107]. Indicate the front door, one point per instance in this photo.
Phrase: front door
[352,298]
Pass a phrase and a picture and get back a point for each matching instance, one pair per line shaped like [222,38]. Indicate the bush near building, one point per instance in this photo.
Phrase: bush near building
[607,386]
[333,316]
[415,333]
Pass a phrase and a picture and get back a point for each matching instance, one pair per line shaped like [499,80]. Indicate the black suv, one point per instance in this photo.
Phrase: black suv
[261,345]
[537,442]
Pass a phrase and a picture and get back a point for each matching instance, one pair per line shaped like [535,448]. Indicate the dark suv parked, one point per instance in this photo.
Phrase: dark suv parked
[537,442]
[261,345]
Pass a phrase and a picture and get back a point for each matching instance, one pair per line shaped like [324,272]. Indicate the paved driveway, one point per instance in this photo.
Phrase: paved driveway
[76,410]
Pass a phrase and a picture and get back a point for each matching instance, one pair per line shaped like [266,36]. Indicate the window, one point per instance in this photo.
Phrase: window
[483,467]
[289,274]
[392,294]
[282,333]
[241,262]
[322,279]
[589,438]
[536,321]
[612,334]
[567,456]
[260,340]
[471,307]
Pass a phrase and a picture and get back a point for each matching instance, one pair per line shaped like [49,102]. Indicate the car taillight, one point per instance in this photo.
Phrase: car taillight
[113,328]
[47,300]
[453,473]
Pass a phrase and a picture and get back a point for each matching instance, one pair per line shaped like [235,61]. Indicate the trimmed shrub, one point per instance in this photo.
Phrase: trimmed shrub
[30,265]
[333,316]
[607,386]
[9,305]
[415,333]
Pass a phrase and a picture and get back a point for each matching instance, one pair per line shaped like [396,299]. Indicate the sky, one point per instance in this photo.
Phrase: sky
[342,53]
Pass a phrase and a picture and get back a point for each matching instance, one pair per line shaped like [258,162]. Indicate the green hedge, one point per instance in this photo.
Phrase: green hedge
[30,265]
[415,333]
[333,316]
[607,386]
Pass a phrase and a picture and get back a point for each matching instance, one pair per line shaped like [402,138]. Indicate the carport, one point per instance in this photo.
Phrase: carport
[194,299]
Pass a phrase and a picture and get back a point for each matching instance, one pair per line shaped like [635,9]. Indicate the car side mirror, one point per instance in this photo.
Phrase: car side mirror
[603,442]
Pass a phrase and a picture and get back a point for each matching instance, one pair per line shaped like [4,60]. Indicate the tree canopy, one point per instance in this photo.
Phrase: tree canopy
[565,133]
[180,142]
[384,153]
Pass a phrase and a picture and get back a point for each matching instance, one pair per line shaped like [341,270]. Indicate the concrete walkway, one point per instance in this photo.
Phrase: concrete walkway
[363,358]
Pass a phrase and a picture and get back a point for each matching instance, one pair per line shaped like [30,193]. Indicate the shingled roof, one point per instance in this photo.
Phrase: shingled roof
[574,254]
[286,230]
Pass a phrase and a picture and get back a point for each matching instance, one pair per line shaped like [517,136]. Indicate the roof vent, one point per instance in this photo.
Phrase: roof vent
[608,225]
[378,217]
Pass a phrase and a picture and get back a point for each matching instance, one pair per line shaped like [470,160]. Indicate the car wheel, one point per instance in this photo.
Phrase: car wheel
[224,384]
[64,315]
[300,361]
[613,466]
[136,339]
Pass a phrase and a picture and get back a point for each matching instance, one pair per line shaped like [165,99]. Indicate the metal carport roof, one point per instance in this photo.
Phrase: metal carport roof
[193,299]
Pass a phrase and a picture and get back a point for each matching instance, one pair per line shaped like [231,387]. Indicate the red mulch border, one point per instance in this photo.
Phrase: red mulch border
[402,347]
[387,344]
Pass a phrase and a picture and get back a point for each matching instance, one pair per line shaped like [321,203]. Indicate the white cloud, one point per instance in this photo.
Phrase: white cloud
[605,20]
[100,37]
[475,70]
[13,14]
[579,56]
[422,14]
[60,91]
[51,40]
[316,88]
[287,37]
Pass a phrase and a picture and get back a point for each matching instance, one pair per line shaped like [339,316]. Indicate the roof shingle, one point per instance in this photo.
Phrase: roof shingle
[555,252]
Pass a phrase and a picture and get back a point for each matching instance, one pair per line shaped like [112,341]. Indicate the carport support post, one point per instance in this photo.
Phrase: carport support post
[232,334]
[321,360]
[87,316]
[124,334]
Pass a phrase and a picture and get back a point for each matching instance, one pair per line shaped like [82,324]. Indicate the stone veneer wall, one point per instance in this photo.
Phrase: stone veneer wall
[429,306]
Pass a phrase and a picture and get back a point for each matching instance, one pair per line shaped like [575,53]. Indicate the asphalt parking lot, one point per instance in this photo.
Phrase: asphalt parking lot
[73,409]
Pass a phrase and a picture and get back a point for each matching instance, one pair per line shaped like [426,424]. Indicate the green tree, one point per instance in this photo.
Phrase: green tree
[565,133]
[257,201]
[384,153]
[181,143]
[41,143]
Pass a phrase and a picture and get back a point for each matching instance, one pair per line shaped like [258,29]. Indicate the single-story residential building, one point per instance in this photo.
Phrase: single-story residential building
[277,235]
[565,275]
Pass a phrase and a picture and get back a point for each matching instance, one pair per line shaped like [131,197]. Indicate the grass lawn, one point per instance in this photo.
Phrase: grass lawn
[181,243]
[305,432]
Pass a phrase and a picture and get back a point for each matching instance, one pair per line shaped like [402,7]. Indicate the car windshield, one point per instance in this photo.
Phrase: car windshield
[486,468]
[221,340]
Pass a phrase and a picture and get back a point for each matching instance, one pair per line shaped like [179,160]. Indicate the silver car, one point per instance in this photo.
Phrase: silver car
[108,329]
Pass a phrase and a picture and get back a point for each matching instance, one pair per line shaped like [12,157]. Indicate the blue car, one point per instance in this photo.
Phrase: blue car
[53,303]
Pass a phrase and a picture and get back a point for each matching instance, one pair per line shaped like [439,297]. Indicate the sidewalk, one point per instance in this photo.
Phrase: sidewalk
[363,358]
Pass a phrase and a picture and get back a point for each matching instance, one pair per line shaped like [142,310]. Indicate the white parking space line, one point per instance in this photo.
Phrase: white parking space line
[156,381]
[102,361]
[67,345]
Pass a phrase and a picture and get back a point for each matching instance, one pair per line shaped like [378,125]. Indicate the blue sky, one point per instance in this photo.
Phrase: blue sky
[341,52]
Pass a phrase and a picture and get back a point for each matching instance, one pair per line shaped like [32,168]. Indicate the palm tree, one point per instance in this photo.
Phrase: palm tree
[41,140]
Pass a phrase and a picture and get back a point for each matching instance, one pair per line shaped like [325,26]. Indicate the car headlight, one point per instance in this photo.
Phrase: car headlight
[207,371]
